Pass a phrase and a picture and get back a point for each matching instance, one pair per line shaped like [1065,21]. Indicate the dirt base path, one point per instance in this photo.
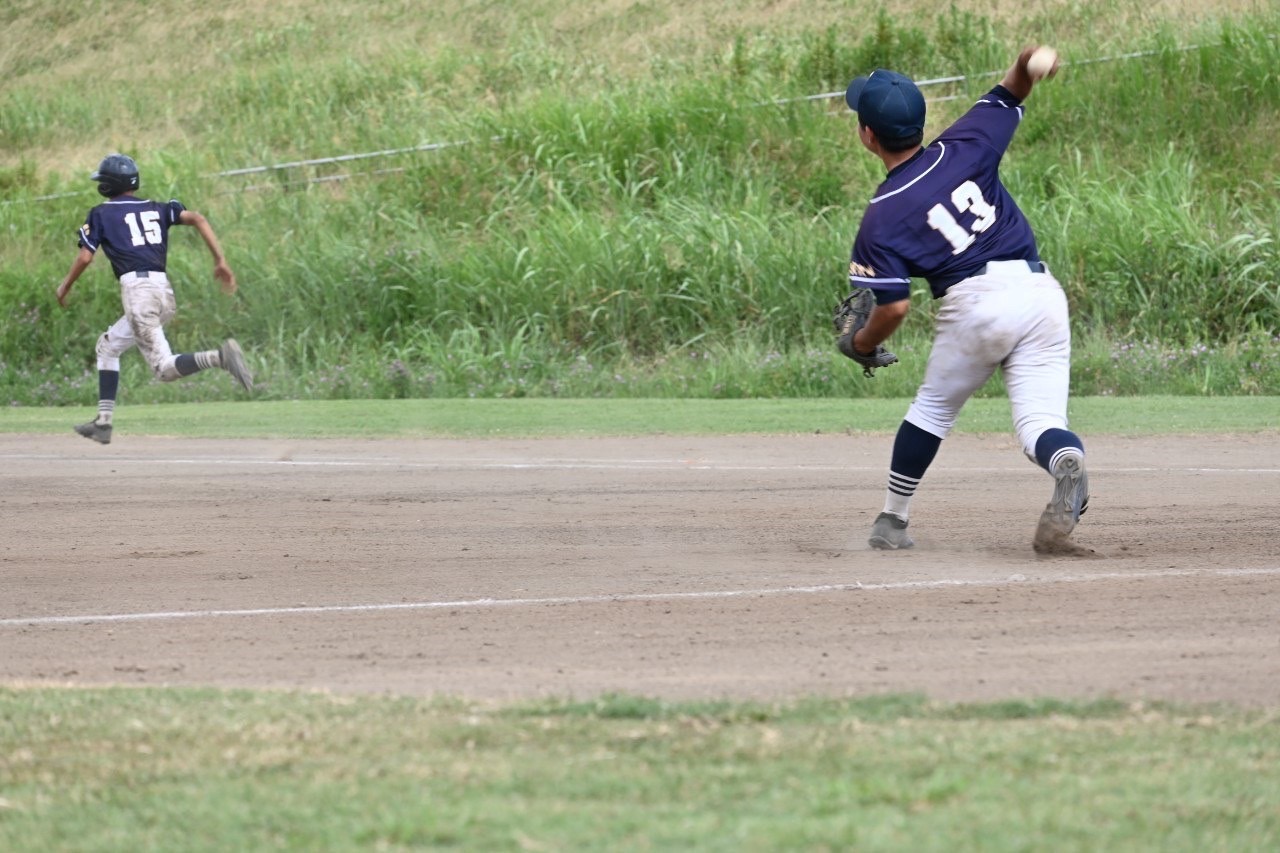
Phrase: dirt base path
[672,567]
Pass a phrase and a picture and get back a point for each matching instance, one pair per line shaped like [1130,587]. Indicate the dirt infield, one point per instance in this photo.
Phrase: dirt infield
[673,567]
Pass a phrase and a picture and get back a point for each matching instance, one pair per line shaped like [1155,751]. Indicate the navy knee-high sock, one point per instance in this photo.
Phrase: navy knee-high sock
[1052,443]
[913,453]
[108,385]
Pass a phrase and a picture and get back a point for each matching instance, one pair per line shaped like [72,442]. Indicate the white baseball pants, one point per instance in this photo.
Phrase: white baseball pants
[1009,318]
[148,305]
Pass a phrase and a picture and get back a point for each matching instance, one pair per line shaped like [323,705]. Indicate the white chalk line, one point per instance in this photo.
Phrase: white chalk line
[571,464]
[619,598]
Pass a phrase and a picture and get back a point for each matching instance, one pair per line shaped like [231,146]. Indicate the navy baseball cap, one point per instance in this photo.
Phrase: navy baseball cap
[888,103]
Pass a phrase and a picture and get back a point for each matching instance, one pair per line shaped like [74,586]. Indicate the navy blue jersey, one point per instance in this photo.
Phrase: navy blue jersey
[134,232]
[943,214]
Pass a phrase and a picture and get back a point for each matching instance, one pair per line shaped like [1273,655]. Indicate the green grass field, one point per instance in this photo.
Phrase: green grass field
[117,769]
[533,417]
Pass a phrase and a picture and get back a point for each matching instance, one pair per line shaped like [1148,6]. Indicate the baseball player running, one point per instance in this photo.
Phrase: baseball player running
[942,214]
[134,233]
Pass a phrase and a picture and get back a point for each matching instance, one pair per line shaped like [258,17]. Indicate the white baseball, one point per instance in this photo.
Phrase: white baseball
[1041,62]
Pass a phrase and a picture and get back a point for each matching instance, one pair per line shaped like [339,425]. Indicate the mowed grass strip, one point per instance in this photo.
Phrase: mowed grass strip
[201,769]
[538,417]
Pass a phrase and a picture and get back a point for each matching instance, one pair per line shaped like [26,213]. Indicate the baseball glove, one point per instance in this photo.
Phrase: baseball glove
[850,316]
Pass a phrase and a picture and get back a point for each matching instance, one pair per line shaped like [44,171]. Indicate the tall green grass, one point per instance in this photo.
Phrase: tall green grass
[671,232]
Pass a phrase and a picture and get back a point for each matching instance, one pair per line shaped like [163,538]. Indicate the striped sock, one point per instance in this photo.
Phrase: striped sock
[897,499]
[1066,451]
[913,453]
[108,387]
[1053,443]
[188,363]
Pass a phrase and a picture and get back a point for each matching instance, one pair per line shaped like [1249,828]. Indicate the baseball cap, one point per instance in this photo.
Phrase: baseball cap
[888,103]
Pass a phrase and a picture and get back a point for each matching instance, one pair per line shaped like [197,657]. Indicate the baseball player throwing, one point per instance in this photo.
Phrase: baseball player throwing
[134,233]
[943,215]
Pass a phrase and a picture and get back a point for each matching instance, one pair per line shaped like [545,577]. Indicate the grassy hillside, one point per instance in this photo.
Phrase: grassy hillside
[292,80]
[646,198]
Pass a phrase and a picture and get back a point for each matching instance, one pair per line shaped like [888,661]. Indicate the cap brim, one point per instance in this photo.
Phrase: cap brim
[855,89]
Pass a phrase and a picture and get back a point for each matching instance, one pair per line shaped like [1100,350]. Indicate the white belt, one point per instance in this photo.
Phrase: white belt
[993,266]
[144,277]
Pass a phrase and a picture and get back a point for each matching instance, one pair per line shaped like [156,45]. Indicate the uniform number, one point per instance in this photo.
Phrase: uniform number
[150,230]
[967,198]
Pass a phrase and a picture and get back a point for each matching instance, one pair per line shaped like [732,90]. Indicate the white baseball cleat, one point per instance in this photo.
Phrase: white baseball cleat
[232,360]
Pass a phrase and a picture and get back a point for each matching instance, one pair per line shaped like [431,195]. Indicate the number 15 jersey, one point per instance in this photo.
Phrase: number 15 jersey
[134,232]
[943,214]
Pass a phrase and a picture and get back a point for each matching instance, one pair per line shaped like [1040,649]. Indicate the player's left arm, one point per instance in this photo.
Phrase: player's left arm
[884,320]
[221,271]
[874,266]
[82,260]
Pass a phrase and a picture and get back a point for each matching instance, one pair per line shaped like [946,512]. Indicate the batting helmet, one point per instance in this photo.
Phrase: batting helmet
[116,174]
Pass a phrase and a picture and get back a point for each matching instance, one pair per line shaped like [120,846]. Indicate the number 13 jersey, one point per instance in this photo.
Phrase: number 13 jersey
[943,214]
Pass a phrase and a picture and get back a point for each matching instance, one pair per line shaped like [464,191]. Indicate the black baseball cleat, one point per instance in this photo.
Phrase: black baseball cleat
[100,433]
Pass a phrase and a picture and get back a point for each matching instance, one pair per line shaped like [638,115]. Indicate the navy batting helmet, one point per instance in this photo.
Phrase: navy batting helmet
[116,174]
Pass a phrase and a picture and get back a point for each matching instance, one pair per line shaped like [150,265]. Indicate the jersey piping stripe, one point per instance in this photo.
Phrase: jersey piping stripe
[861,279]
[1001,103]
[942,153]
[84,238]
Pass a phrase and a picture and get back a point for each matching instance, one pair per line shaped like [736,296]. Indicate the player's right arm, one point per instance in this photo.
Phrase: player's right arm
[1017,79]
[82,260]
[996,115]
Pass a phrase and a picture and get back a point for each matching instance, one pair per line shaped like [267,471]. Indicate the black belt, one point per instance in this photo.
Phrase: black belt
[940,287]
